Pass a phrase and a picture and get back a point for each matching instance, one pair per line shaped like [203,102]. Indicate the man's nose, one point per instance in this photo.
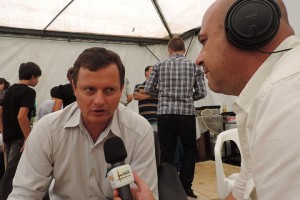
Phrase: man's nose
[199,59]
[99,98]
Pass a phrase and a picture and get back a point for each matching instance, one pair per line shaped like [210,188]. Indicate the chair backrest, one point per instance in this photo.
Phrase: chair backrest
[169,184]
[225,185]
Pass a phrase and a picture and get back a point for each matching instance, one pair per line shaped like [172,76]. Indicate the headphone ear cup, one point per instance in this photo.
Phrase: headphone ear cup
[251,24]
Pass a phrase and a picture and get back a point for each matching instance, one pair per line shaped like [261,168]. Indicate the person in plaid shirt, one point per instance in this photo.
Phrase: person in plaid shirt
[178,82]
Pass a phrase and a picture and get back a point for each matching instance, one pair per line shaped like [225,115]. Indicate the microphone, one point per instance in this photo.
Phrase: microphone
[119,174]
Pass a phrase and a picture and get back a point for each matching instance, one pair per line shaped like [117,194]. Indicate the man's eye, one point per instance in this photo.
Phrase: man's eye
[90,90]
[109,91]
[203,42]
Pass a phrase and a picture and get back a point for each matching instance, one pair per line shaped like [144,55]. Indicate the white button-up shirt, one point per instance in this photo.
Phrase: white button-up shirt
[268,118]
[59,146]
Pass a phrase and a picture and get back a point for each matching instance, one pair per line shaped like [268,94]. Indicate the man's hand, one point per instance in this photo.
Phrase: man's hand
[230,197]
[142,192]
[22,149]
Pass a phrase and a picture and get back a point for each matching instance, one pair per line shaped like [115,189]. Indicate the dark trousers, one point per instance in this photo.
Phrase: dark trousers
[178,154]
[169,126]
[13,155]
[2,167]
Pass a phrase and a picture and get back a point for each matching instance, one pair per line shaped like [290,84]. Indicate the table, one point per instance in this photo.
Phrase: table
[209,128]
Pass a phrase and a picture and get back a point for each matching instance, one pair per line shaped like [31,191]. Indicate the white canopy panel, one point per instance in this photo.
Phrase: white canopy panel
[130,18]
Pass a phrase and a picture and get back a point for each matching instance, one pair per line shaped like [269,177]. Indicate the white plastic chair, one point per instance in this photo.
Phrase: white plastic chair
[225,184]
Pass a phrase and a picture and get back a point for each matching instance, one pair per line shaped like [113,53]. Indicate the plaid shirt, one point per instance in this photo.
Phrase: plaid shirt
[178,82]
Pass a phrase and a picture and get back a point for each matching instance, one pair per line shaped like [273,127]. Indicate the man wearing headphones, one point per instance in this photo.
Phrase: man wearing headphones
[256,57]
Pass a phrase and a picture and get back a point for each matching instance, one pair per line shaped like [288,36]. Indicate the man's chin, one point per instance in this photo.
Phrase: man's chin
[100,118]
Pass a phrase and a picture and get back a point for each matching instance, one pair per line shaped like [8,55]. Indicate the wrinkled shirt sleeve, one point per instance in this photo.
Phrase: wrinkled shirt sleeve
[33,174]
[199,85]
[144,162]
[240,190]
[151,83]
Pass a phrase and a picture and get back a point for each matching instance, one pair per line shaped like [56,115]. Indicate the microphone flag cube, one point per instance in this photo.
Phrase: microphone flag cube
[120,176]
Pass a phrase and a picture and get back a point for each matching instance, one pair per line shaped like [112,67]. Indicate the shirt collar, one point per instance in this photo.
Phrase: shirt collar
[177,55]
[75,119]
[251,90]
[115,124]
[74,115]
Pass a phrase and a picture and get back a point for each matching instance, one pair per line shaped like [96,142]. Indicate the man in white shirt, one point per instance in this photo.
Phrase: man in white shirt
[263,70]
[127,96]
[67,145]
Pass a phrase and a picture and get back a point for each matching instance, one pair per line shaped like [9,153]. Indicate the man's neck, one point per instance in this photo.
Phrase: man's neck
[26,82]
[174,53]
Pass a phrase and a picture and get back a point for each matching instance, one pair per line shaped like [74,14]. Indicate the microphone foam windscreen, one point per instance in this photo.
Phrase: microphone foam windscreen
[114,150]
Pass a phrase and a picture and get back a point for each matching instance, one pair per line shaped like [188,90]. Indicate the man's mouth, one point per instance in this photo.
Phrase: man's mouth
[99,110]
[205,70]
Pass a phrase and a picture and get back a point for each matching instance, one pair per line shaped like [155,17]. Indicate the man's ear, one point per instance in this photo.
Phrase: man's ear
[73,85]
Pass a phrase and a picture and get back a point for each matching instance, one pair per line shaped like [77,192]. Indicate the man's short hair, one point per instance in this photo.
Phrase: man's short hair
[29,70]
[69,73]
[95,58]
[176,44]
[53,91]
[147,69]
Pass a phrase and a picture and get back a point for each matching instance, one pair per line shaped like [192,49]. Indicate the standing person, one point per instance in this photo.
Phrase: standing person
[16,109]
[180,82]
[4,85]
[126,97]
[64,94]
[148,108]
[68,145]
[263,70]
[147,103]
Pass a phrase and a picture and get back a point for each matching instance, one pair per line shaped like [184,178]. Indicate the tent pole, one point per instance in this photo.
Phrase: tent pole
[152,53]
[162,17]
[58,15]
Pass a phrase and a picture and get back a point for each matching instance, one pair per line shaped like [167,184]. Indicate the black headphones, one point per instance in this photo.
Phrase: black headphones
[251,24]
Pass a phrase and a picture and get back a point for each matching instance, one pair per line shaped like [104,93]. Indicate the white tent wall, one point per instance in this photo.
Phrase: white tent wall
[55,57]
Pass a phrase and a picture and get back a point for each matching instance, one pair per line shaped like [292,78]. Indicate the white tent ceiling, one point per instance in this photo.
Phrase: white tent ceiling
[149,21]
[157,20]
[96,22]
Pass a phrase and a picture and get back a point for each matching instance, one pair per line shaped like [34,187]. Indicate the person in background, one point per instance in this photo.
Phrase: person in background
[126,97]
[4,85]
[180,83]
[265,75]
[47,106]
[68,145]
[148,108]
[64,94]
[2,159]
[16,109]
[147,103]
